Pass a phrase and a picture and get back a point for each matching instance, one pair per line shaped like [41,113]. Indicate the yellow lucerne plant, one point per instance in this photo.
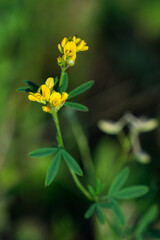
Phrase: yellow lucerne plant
[46,95]
[69,47]
[53,95]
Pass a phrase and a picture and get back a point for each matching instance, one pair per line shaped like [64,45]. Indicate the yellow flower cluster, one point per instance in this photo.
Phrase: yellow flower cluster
[69,47]
[46,95]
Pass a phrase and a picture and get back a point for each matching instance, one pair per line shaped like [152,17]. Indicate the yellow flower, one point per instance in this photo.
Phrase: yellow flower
[69,47]
[59,60]
[46,95]
[46,108]
[80,44]
[70,52]
[44,91]
[36,97]
[64,41]
[64,96]
[55,99]
[50,83]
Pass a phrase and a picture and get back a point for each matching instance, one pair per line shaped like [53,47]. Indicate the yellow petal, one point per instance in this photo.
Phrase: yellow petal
[36,97]
[64,41]
[45,92]
[70,49]
[78,40]
[85,48]
[31,97]
[74,39]
[60,48]
[55,99]
[64,96]
[50,82]
[81,45]
[46,108]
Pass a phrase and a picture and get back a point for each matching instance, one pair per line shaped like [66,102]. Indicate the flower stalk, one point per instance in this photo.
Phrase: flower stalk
[60,144]
[61,77]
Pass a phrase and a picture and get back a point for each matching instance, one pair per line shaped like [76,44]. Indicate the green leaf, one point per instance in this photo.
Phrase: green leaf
[56,80]
[82,88]
[147,219]
[119,216]
[90,211]
[43,152]
[24,89]
[90,188]
[131,192]
[71,163]
[64,83]
[100,215]
[76,106]
[32,85]
[119,181]
[53,169]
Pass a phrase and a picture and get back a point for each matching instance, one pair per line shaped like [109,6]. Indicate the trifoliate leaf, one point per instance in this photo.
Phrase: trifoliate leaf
[71,163]
[64,83]
[33,85]
[131,192]
[119,181]
[53,169]
[99,214]
[119,216]
[147,219]
[76,106]
[43,152]
[82,88]
[90,211]
[24,89]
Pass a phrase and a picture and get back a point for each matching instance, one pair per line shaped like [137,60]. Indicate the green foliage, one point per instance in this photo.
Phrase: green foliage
[43,152]
[99,214]
[146,220]
[115,192]
[76,106]
[71,163]
[56,80]
[131,192]
[64,83]
[82,88]
[119,181]
[24,89]
[32,87]
[99,188]
[53,168]
[90,211]
[117,211]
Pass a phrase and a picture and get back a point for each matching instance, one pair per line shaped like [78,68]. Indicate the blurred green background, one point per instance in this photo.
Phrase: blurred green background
[123,59]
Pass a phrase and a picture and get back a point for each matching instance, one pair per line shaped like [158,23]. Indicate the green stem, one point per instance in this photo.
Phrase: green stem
[61,77]
[80,186]
[60,144]
[59,135]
